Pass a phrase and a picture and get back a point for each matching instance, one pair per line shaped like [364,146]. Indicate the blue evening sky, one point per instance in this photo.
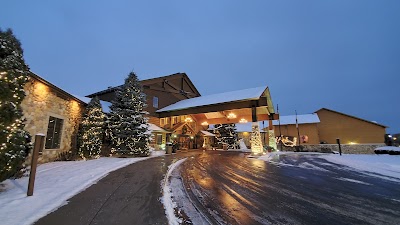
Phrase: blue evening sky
[339,54]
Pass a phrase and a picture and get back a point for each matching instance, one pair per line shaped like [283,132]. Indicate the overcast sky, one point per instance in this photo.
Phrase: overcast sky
[341,55]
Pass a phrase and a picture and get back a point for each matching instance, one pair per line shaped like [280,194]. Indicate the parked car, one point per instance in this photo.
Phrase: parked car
[391,150]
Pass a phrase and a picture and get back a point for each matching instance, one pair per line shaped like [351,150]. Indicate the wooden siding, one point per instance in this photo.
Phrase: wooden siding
[167,89]
[349,129]
[311,130]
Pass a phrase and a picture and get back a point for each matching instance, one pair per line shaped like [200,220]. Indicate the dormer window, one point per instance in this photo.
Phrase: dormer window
[155,102]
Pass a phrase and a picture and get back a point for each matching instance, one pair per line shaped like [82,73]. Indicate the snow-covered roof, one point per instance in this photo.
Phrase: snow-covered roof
[104,105]
[233,96]
[206,133]
[155,128]
[301,119]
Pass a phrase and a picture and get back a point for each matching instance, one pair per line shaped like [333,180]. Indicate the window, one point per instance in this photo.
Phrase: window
[155,102]
[159,139]
[174,120]
[162,122]
[53,137]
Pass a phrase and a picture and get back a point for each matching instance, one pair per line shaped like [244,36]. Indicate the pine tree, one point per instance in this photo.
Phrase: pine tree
[127,124]
[14,146]
[226,134]
[92,129]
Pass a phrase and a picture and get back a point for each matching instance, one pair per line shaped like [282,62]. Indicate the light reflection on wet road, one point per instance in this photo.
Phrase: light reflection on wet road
[299,190]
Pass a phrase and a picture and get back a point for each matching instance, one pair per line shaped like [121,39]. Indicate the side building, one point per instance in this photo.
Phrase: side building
[51,111]
[349,129]
[325,125]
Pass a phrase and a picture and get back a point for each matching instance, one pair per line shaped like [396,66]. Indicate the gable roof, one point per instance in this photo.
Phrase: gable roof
[155,128]
[330,110]
[55,88]
[105,106]
[152,81]
[233,96]
[206,133]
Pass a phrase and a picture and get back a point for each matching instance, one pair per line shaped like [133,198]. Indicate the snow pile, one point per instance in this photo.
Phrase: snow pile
[242,145]
[386,165]
[56,182]
[169,204]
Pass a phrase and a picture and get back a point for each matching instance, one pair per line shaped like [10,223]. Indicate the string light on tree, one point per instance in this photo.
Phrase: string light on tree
[92,129]
[14,140]
[127,123]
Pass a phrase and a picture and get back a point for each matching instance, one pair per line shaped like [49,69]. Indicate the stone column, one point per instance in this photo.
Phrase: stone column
[271,134]
[255,140]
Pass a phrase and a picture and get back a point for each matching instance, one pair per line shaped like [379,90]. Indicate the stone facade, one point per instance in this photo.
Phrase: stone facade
[346,149]
[41,102]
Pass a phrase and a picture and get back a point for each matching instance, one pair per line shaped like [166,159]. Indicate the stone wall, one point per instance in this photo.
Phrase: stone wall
[346,149]
[39,104]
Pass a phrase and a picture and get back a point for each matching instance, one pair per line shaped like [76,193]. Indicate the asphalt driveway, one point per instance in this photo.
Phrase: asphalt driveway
[126,196]
[297,189]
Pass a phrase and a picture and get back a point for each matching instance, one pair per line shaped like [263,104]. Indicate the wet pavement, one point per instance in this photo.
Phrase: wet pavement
[130,195]
[296,189]
[229,188]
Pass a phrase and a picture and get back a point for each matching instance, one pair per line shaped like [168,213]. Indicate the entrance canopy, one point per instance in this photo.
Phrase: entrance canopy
[254,104]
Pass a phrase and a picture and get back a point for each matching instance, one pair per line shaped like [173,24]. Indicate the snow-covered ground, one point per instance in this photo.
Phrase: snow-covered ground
[386,165]
[176,200]
[168,202]
[56,182]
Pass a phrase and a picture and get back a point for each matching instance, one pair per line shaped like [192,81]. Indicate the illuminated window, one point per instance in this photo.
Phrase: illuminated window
[155,102]
[53,137]
[174,120]
[162,122]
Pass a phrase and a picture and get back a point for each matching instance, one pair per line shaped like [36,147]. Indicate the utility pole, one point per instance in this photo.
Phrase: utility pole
[297,127]
[279,125]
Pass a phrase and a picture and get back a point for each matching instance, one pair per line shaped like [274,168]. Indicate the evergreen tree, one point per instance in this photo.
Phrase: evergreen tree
[14,146]
[226,134]
[92,129]
[127,124]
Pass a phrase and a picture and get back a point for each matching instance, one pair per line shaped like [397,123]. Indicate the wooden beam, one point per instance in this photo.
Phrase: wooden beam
[166,90]
[215,108]
[261,117]
[254,114]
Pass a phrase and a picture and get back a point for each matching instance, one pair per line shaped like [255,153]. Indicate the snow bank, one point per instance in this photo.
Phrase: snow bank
[387,165]
[169,204]
[56,182]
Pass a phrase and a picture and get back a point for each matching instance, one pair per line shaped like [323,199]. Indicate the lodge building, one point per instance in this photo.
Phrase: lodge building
[177,112]
[176,106]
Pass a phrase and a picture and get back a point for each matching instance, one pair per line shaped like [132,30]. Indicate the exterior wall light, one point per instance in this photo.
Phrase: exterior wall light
[242,120]
[231,116]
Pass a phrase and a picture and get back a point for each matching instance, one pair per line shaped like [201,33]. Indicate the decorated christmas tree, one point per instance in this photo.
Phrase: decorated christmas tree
[127,124]
[92,129]
[226,134]
[14,141]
